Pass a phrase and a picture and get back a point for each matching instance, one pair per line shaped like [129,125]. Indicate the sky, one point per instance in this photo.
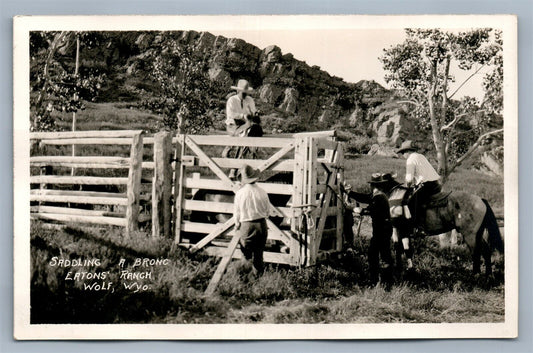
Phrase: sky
[351,54]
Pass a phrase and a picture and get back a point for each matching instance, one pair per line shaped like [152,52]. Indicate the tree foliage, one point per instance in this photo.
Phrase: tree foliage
[421,68]
[54,83]
[186,97]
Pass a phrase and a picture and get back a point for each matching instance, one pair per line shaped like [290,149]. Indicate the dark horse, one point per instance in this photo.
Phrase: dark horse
[468,214]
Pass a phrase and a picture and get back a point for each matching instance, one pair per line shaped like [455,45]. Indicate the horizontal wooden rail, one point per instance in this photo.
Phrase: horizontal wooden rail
[83,134]
[268,256]
[207,228]
[215,184]
[223,207]
[84,197]
[80,161]
[80,219]
[88,141]
[327,133]
[76,193]
[223,140]
[284,165]
[82,180]
[75,211]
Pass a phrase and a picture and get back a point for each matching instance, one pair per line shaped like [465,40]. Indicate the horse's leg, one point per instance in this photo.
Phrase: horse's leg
[476,259]
[408,252]
[486,251]
[469,213]
[398,248]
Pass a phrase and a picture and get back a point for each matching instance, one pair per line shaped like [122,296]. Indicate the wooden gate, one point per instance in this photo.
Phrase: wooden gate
[313,217]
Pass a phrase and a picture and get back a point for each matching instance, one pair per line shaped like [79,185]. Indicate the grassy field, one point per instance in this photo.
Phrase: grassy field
[443,289]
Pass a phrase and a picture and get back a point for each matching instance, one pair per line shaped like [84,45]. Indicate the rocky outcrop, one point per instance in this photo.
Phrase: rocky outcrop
[280,80]
[392,125]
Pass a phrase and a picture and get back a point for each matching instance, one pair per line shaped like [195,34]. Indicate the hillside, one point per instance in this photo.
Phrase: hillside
[292,95]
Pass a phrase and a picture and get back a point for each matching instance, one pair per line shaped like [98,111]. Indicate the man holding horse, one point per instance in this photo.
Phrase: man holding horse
[378,207]
[251,210]
[239,107]
[420,174]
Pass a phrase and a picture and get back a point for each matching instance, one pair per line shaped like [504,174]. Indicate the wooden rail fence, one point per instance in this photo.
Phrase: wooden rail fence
[182,166]
[59,196]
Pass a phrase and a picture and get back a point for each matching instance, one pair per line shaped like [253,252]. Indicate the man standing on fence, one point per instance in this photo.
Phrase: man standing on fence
[251,210]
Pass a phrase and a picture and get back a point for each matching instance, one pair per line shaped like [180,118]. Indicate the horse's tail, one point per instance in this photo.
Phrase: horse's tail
[490,223]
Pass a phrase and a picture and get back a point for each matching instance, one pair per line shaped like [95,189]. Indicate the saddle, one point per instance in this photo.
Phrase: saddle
[437,200]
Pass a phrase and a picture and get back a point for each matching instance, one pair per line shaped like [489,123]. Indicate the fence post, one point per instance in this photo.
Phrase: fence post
[313,247]
[134,184]
[161,185]
[179,171]
[340,206]
[297,252]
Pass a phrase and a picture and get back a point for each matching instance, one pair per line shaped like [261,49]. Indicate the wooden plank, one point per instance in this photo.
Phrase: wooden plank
[208,228]
[268,256]
[76,193]
[179,176]
[80,219]
[311,198]
[275,157]
[210,163]
[88,141]
[80,161]
[227,207]
[161,185]
[81,165]
[340,205]
[75,211]
[321,134]
[134,184]
[332,181]
[215,184]
[223,265]
[297,198]
[219,230]
[93,200]
[83,134]
[81,180]
[285,165]
[224,140]
[275,233]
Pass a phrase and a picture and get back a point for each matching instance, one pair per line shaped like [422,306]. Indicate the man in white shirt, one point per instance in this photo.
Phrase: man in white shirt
[251,210]
[421,174]
[239,106]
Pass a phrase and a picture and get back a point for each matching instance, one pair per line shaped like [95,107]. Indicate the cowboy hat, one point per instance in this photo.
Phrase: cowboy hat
[249,174]
[406,146]
[380,178]
[243,86]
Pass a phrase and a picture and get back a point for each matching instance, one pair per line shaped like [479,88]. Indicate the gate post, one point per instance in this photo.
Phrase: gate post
[179,171]
[161,185]
[134,184]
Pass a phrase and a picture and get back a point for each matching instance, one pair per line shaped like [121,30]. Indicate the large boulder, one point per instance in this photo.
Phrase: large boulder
[392,125]
[290,101]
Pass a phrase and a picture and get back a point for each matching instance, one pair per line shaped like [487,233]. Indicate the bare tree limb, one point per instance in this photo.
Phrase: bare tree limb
[457,118]
[465,81]
[472,149]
